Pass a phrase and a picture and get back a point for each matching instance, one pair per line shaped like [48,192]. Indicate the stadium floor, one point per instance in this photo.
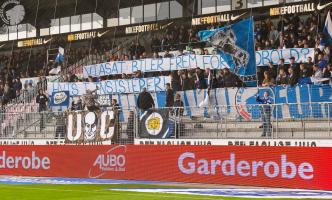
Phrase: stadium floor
[38,188]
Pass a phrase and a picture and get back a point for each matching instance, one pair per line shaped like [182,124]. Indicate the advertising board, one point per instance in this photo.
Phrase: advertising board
[289,167]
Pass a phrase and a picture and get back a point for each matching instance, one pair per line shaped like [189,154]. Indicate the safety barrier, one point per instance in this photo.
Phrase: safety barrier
[277,121]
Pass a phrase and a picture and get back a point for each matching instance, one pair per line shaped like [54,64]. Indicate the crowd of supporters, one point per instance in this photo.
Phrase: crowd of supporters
[27,63]
[286,32]
[15,66]
[293,32]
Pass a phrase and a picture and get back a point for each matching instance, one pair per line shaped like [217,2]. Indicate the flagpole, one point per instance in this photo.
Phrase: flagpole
[253,39]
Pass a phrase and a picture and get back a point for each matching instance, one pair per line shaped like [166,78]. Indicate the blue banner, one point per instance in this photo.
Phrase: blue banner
[301,101]
[235,44]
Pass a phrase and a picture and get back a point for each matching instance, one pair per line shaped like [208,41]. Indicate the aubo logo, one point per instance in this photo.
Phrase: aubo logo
[110,162]
[114,160]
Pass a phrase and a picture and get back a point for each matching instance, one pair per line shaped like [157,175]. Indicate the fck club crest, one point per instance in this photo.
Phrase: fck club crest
[12,12]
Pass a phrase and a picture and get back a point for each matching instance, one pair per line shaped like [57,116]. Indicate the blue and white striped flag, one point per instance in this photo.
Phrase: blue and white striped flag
[328,29]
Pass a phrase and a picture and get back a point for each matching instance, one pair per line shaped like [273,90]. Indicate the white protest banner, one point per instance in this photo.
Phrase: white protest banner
[135,85]
[263,57]
[190,61]
[160,64]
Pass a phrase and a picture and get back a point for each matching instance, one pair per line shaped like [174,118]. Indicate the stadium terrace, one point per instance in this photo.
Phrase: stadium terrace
[165,92]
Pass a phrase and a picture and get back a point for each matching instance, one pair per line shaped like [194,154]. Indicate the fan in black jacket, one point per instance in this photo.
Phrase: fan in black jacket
[292,77]
[145,100]
[169,96]
[42,100]
[178,105]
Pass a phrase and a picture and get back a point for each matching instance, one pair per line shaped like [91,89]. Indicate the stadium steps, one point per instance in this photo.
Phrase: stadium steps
[257,134]
[317,125]
[233,129]
[29,128]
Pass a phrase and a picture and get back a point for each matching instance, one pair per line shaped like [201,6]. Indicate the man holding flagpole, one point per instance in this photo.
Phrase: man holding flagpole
[60,56]
[58,61]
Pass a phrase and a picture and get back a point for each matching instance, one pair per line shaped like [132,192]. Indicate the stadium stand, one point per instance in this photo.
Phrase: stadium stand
[18,98]
[225,98]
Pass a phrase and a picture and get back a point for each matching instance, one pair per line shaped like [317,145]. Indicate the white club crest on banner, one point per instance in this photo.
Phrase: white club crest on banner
[12,12]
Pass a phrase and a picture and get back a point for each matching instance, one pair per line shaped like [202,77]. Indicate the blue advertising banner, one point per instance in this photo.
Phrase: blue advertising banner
[235,44]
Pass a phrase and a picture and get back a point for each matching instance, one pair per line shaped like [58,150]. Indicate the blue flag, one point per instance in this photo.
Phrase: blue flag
[235,44]
[328,29]
[59,99]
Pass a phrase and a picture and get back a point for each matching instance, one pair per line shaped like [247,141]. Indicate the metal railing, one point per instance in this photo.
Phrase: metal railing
[54,125]
[278,121]
[311,120]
